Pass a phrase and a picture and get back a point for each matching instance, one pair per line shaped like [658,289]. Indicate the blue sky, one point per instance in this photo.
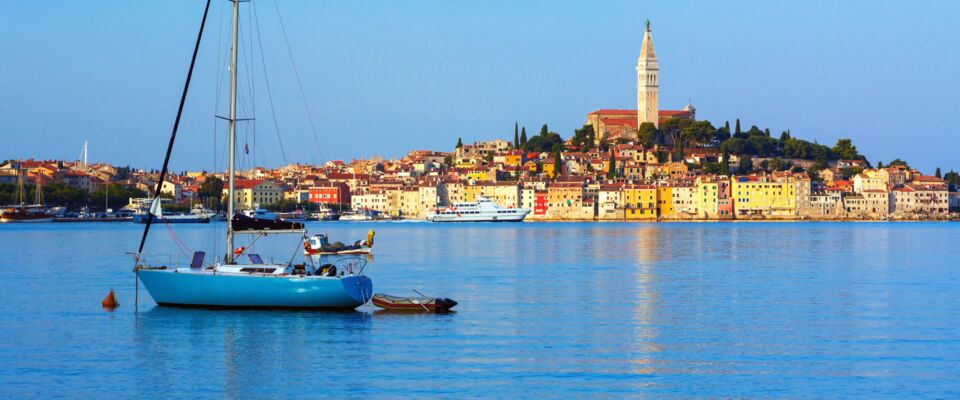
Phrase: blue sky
[383,77]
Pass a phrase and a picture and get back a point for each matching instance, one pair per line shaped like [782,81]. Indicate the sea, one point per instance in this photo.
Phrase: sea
[556,310]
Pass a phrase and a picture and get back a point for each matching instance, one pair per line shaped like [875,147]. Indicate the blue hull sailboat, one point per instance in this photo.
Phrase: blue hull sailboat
[192,288]
[253,284]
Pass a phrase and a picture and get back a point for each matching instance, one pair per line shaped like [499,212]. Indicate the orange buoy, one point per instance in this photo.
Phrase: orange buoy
[110,301]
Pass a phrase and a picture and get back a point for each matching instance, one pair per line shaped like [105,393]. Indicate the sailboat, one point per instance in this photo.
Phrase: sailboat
[248,282]
[26,212]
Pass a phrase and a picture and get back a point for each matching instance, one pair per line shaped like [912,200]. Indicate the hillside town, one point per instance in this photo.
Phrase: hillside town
[643,164]
[625,181]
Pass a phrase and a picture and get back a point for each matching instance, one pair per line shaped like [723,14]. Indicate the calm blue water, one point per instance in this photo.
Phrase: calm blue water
[763,310]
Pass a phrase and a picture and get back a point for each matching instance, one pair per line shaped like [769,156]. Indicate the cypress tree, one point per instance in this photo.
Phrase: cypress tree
[523,137]
[516,135]
[937,174]
[736,132]
[612,168]
[543,130]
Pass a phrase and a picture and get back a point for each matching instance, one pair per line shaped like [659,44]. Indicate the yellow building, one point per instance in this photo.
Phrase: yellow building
[665,201]
[640,202]
[548,168]
[762,195]
[565,199]
[251,192]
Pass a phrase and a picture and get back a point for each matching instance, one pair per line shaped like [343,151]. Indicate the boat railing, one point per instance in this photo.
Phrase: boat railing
[173,261]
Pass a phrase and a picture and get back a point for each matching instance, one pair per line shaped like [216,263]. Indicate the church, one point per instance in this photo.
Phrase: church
[613,124]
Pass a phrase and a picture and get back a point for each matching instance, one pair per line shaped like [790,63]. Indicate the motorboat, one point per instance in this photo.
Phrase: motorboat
[260,213]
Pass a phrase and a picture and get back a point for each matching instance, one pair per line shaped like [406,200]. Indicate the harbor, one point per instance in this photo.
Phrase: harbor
[710,310]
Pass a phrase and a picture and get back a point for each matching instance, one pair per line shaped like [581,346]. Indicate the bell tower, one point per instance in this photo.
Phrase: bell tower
[648,82]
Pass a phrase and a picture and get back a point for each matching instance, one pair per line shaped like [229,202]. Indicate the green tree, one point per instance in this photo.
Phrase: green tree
[612,168]
[898,162]
[448,160]
[745,166]
[516,135]
[547,142]
[523,137]
[937,174]
[712,168]
[736,132]
[114,196]
[583,137]
[879,164]
[647,134]
[211,192]
[844,149]
[544,130]
[785,136]
[735,146]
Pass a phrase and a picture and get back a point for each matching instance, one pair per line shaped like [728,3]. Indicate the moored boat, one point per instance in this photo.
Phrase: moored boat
[414,304]
[251,283]
[481,210]
[25,214]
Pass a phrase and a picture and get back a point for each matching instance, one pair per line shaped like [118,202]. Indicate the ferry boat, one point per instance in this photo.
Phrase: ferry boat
[235,281]
[481,210]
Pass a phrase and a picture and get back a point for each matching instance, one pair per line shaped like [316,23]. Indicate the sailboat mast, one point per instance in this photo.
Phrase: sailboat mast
[232,130]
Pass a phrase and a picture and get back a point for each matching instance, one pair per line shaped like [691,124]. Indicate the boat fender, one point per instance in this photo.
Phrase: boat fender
[239,250]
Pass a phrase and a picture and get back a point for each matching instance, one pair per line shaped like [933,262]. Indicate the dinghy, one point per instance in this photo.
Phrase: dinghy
[423,303]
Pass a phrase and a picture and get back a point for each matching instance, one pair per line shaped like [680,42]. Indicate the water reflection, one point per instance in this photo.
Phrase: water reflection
[247,351]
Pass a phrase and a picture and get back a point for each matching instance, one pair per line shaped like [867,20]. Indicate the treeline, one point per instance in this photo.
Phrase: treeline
[59,194]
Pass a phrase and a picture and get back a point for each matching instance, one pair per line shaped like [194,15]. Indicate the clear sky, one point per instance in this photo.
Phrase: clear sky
[384,77]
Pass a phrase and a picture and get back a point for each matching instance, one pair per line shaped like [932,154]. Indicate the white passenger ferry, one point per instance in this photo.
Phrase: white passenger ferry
[482,210]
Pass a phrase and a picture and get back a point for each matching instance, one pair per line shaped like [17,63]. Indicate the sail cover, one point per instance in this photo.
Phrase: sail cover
[243,223]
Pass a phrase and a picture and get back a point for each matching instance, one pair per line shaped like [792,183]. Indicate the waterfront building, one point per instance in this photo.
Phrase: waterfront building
[921,199]
[565,199]
[683,200]
[826,203]
[329,193]
[665,202]
[763,196]
[376,200]
[640,202]
[867,204]
[610,202]
[250,192]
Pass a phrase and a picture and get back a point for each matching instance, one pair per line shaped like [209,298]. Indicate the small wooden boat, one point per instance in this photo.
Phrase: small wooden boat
[423,303]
